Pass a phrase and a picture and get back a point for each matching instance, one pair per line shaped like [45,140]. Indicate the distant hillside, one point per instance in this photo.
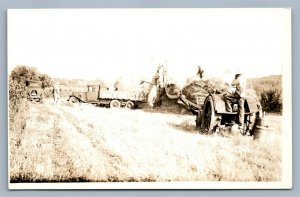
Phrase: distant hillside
[270,77]
[78,82]
[272,82]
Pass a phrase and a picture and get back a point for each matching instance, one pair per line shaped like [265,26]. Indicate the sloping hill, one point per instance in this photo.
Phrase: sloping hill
[266,83]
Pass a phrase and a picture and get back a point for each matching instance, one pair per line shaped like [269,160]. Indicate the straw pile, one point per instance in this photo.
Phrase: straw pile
[197,90]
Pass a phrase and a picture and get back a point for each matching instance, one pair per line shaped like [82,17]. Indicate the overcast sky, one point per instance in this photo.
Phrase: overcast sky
[108,43]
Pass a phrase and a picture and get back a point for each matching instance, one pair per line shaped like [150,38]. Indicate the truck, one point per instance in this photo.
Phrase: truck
[34,91]
[112,98]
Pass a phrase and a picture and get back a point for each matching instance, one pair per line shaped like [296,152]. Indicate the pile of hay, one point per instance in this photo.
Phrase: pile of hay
[197,90]
[172,106]
[167,105]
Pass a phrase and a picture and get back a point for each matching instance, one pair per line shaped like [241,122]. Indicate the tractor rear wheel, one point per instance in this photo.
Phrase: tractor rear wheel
[115,104]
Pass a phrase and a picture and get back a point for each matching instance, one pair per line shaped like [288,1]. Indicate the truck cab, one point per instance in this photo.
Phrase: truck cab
[92,92]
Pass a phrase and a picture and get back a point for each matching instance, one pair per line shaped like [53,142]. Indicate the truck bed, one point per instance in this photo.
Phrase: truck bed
[121,95]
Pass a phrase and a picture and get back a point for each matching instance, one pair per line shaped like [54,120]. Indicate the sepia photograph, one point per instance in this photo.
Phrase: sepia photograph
[185,98]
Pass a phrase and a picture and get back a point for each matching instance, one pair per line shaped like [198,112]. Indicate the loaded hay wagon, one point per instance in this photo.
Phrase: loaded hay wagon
[111,98]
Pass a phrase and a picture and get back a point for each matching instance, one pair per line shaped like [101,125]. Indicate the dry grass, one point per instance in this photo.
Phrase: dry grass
[86,143]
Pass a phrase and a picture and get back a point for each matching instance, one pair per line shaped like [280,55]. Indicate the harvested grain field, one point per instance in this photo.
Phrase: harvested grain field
[86,143]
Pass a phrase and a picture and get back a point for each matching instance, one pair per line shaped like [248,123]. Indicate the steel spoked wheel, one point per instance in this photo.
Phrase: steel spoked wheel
[115,104]
[208,118]
[129,104]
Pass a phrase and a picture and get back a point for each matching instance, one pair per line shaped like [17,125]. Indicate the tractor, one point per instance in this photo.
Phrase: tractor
[214,116]
[211,114]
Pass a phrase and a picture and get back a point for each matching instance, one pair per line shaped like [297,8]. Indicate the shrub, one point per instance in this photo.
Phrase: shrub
[271,100]
[17,84]
[270,91]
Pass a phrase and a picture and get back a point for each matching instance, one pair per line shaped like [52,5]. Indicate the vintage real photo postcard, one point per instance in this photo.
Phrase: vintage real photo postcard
[149,98]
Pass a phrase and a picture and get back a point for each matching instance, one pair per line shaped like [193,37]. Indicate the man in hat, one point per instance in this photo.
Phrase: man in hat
[236,94]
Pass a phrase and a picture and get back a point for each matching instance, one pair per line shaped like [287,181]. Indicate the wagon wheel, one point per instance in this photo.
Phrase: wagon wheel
[115,104]
[129,104]
[74,100]
[208,117]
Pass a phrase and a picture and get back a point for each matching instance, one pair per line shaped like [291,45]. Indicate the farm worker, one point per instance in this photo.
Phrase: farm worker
[156,77]
[236,94]
[200,72]
[116,85]
[157,80]
[56,92]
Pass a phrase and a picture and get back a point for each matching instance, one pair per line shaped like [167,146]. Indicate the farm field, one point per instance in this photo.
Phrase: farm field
[86,143]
